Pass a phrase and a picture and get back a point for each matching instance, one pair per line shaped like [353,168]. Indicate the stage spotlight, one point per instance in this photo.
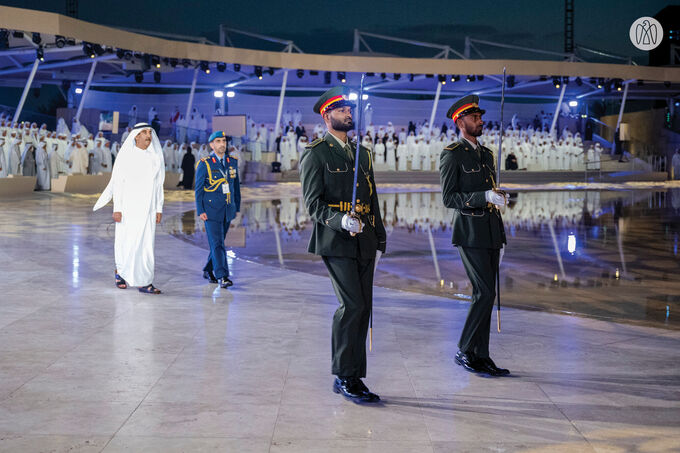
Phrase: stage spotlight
[231,94]
[341,77]
[579,82]
[442,79]
[600,83]
[364,97]
[470,78]
[397,76]
[511,81]
[139,77]
[35,37]
[205,67]
[480,77]
[353,96]
[156,61]
[300,73]
[327,77]
[40,53]
[79,90]
[573,103]
[87,50]
[556,82]
[221,67]
[258,72]
[218,93]
[618,84]
[59,41]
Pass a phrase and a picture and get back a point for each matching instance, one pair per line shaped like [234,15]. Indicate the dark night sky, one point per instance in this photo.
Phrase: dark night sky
[326,27]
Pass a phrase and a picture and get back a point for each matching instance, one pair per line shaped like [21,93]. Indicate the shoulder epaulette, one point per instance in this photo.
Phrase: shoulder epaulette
[315,142]
[453,146]
[203,159]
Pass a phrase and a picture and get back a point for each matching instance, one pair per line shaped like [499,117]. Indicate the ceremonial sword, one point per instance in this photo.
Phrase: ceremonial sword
[353,213]
[496,189]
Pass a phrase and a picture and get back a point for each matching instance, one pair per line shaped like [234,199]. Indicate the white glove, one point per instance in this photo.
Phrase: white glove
[378,254]
[351,224]
[500,256]
[495,198]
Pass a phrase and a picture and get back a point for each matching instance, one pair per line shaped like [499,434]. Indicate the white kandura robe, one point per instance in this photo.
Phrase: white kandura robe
[42,168]
[390,157]
[402,153]
[4,169]
[136,187]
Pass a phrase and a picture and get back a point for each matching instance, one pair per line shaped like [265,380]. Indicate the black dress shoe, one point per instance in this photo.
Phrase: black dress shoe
[225,282]
[208,275]
[354,390]
[492,369]
[370,396]
[470,364]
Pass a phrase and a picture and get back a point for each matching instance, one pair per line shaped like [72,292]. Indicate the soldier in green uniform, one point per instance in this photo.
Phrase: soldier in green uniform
[347,242]
[467,174]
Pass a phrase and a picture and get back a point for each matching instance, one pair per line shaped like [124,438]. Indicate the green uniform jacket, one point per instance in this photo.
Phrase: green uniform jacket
[327,175]
[465,179]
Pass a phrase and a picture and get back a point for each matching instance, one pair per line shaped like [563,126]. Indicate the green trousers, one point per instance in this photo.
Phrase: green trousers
[353,283]
[481,265]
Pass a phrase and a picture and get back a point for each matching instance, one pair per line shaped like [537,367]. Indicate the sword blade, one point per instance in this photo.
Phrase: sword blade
[357,134]
[500,140]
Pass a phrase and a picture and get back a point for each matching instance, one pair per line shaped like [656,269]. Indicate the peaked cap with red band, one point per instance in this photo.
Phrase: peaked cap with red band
[332,99]
[465,106]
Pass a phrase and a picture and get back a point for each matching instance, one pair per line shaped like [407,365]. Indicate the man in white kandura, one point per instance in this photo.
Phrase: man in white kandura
[136,187]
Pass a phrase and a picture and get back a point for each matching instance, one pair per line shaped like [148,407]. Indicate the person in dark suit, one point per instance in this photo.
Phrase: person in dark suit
[218,199]
[467,174]
[348,242]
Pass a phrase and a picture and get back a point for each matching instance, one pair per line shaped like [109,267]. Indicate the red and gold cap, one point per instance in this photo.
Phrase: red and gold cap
[332,99]
[465,106]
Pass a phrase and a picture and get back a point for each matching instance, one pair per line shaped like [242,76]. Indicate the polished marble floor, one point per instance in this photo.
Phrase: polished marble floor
[87,367]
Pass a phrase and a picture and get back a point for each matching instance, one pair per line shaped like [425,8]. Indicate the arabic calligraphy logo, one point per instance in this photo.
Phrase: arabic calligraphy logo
[646,33]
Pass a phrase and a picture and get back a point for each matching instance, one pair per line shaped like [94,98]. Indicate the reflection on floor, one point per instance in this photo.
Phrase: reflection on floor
[611,255]
[85,367]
